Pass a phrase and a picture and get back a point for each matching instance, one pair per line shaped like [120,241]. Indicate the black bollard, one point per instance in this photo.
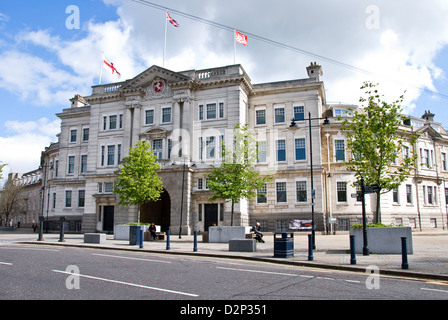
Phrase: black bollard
[61,232]
[141,238]
[310,247]
[404,253]
[195,245]
[352,250]
[168,240]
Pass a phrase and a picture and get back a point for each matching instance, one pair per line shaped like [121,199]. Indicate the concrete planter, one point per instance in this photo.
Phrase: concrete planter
[224,234]
[383,240]
[121,232]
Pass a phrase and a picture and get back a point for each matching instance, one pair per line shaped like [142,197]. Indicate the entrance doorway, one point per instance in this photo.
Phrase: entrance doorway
[158,212]
[108,219]
[210,215]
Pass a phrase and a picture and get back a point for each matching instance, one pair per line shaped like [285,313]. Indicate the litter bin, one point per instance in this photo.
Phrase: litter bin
[133,234]
[283,245]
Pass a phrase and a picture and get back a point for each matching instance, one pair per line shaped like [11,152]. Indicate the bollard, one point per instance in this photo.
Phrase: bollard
[404,253]
[141,238]
[352,250]
[195,245]
[310,247]
[168,240]
[61,232]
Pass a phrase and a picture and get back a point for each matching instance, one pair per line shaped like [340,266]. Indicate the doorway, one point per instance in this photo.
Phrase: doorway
[108,219]
[158,212]
[210,215]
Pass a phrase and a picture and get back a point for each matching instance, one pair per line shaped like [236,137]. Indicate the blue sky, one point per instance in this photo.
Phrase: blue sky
[43,63]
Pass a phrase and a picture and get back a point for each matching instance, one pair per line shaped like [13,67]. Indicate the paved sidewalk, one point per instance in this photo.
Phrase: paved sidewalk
[429,260]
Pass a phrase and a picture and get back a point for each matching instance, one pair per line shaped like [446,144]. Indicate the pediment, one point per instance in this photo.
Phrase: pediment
[155,73]
[430,131]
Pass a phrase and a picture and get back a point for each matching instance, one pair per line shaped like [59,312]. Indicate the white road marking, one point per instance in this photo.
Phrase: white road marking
[436,290]
[6,263]
[257,271]
[128,284]
[129,258]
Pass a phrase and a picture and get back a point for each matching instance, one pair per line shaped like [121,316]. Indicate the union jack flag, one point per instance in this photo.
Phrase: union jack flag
[171,20]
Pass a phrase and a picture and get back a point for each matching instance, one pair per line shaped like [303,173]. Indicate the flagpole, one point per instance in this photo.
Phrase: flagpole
[234,47]
[166,29]
[101,67]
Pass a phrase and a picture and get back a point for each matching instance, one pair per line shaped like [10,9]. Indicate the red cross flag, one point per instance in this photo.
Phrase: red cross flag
[111,66]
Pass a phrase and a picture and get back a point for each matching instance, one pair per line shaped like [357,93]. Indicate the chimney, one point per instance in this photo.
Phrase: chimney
[428,116]
[314,71]
[78,101]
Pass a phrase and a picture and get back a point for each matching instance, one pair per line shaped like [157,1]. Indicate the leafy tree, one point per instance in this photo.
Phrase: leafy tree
[375,142]
[138,182]
[236,178]
[12,200]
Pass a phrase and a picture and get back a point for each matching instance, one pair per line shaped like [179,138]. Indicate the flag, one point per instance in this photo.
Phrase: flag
[111,66]
[240,38]
[171,20]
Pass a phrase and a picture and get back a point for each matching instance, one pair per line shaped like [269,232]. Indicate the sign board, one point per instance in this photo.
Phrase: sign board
[300,224]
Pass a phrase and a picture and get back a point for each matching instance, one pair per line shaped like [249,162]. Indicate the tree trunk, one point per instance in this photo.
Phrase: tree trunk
[377,218]
[231,216]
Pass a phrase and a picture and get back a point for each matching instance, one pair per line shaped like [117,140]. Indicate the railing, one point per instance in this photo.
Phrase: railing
[206,74]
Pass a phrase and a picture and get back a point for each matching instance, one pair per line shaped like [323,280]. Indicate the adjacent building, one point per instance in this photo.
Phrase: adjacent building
[186,116]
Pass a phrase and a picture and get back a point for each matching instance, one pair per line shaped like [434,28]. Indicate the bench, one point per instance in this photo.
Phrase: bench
[242,245]
[97,238]
[159,236]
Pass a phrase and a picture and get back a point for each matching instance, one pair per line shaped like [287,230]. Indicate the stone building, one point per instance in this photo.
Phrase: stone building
[186,116]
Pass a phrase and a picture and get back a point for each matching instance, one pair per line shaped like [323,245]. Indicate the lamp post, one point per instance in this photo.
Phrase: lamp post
[41,217]
[313,192]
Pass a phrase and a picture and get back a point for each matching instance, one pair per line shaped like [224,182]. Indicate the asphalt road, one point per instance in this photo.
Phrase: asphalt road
[63,273]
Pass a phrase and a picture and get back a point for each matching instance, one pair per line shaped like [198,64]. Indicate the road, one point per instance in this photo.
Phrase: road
[66,273]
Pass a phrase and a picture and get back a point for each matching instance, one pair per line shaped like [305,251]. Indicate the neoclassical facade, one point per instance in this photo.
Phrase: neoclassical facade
[186,116]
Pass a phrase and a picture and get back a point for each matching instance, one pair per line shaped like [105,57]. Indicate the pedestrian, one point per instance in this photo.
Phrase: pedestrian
[152,229]
[256,229]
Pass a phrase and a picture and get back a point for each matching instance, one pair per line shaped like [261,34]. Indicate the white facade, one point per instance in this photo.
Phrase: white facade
[186,116]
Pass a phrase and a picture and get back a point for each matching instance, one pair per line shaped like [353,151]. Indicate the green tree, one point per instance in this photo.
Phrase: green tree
[237,178]
[138,182]
[375,142]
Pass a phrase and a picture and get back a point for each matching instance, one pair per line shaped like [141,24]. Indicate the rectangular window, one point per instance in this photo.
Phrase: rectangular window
[54,200]
[405,152]
[157,147]
[85,134]
[260,117]
[149,117]
[201,112]
[279,114]
[200,184]
[201,148]
[443,161]
[221,110]
[81,198]
[262,195]
[211,111]
[299,113]
[110,155]
[409,194]
[103,151]
[395,195]
[71,164]
[68,198]
[120,121]
[118,153]
[108,187]
[112,122]
[340,150]
[281,150]
[430,195]
[73,134]
[261,149]
[83,163]
[166,115]
[342,191]
[104,123]
[210,146]
[301,191]
[281,192]
[300,149]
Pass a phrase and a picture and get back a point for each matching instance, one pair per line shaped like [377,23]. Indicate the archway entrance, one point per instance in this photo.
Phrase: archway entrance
[158,212]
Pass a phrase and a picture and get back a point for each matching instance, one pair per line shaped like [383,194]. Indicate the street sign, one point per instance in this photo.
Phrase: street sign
[372,189]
